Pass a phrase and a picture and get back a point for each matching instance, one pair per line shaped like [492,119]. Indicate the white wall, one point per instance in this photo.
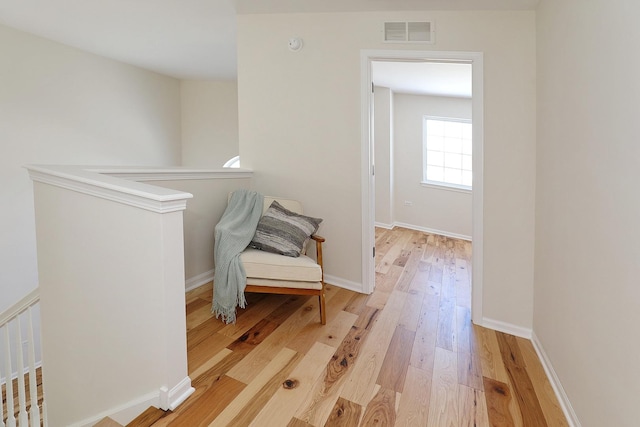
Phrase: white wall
[61,105]
[112,299]
[299,115]
[209,122]
[445,210]
[383,151]
[587,207]
[200,218]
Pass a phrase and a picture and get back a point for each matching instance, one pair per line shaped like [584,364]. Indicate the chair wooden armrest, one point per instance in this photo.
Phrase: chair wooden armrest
[319,240]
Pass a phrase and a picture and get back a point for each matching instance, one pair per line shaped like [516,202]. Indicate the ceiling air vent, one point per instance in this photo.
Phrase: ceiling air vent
[409,32]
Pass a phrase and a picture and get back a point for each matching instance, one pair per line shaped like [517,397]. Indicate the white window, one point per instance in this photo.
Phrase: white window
[447,148]
[233,162]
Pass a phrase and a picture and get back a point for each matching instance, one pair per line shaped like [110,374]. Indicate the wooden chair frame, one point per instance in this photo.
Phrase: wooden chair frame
[296,291]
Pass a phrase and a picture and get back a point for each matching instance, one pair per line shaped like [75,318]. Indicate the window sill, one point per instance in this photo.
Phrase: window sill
[448,187]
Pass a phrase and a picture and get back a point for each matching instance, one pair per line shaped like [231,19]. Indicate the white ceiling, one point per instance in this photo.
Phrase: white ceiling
[189,39]
[424,78]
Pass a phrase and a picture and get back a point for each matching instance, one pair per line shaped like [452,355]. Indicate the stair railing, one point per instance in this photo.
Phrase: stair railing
[12,322]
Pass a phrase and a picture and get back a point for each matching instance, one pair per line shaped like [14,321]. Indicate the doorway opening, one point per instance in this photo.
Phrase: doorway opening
[446,62]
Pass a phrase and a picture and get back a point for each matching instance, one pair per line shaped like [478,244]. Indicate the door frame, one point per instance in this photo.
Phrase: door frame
[367,163]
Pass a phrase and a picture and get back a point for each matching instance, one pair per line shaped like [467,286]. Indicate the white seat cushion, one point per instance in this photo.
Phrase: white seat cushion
[284,283]
[267,265]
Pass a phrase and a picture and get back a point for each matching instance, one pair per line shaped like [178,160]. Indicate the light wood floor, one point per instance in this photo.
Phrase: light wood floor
[406,355]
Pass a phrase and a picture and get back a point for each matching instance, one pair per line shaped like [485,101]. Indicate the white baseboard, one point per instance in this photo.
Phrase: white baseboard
[124,413]
[432,231]
[507,328]
[343,283]
[171,399]
[383,225]
[565,404]
[199,280]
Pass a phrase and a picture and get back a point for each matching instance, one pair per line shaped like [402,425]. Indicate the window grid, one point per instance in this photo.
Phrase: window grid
[447,152]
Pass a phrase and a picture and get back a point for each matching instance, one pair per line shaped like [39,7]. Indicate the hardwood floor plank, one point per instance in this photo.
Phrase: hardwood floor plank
[446,337]
[203,351]
[396,361]
[319,402]
[196,304]
[463,284]
[546,395]
[337,329]
[210,404]
[252,314]
[256,394]
[424,346]
[282,406]
[525,395]
[420,280]
[415,250]
[381,410]
[201,332]
[443,407]
[199,292]
[490,356]
[198,316]
[266,351]
[469,371]
[147,418]
[357,303]
[472,408]
[328,333]
[298,423]
[494,368]
[469,364]
[411,310]
[210,363]
[392,253]
[344,414]
[361,382]
[413,409]
[498,397]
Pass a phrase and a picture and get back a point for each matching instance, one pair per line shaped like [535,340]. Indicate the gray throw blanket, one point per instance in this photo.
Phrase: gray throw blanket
[232,235]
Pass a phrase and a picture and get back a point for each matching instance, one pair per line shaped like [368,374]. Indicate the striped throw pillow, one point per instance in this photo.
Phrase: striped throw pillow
[283,232]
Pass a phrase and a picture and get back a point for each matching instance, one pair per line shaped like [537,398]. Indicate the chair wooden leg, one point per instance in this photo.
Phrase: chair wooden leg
[323,314]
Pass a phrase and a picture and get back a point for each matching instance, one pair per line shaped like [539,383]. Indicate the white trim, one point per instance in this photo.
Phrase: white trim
[199,280]
[507,328]
[124,413]
[344,283]
[171,399]
[433,231]
[367,178]
[447,186]
[563,399]
[86,181]
[175,174]
[19,307]
[382,225]
[477,105]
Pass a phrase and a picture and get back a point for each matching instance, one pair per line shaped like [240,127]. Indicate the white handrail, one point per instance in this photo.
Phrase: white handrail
[30,299]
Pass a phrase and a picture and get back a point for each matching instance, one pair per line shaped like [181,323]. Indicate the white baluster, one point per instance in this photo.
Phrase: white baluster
[34,413]
[23,417]
[2,424]
[11,419]
[45,419]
